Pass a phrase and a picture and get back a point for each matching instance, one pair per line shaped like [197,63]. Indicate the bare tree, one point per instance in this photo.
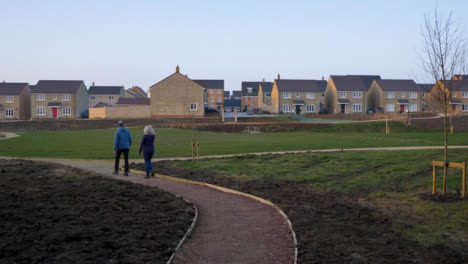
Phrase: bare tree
[443,57]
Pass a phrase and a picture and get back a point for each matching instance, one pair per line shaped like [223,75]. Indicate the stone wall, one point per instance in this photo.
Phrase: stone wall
[120,112]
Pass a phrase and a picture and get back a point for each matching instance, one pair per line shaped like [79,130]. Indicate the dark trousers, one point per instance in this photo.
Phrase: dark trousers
[117,159]
[148,165]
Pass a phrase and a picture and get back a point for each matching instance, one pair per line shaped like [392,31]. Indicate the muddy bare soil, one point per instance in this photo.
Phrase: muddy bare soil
[330,228]
[56,214]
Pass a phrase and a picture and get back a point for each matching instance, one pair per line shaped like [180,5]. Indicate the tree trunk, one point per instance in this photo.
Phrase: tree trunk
[444,179]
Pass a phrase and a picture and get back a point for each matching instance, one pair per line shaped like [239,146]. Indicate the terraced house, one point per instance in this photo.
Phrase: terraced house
[347,93]
[214,92]
[264,95]
[105,95]
[459,100]
[249,96]
[15,101]
[59,99]
[297,96]
[392,96]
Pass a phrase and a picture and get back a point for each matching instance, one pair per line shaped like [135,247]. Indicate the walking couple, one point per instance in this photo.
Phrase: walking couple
[123,142]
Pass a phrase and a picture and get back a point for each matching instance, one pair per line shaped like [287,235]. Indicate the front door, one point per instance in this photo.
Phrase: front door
[342,110]
[54,112]
[298,109]
[402,108]
[454,108]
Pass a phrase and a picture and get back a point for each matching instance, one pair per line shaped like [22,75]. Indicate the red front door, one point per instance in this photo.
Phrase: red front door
[54,112]
[454,108]
[402,108]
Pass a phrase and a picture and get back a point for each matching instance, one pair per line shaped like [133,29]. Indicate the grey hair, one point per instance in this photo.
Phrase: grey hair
[148,130]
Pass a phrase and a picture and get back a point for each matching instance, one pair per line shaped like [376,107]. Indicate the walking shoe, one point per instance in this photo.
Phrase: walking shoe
[126,174]
[115,172]
[147,177]
[153,173]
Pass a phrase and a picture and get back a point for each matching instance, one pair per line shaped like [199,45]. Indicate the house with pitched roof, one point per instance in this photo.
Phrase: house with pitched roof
[425,90]
[237,95]
[394,96]
[59,99]
[15,101]
[347,93]
[264,95]
[459,98]
[232,105]
[297,96]
[125,108]
[105,94]
[214,92]
[177,96]
[135,92]
[249,96]
[227,95]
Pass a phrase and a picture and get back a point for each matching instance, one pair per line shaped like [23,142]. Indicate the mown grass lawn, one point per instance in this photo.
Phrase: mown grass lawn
[391,182]
[98,144]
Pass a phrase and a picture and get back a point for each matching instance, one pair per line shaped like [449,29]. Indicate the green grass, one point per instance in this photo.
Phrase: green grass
[98,144]
[391,181]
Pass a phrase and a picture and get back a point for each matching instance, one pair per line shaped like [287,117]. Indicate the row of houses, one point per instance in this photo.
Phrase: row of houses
[179,96]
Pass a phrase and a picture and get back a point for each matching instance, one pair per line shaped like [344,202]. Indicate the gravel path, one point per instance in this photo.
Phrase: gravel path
[230,229]
[8,135]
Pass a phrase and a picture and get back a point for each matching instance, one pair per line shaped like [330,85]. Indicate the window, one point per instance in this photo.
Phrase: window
[413,108]
[310,108]
[342,94]
[40,97]
[286,108]
[246,99]
[465,94]
[9,112]
[92,97]
[54,97]
[9,99]
[310,95]
[219,100]
[454,94]
[211,99]
[356,107]
[286,95]
[249,89]
[403,95]
[66,111]
[111,97]
[268,94]
[464,107]
[413,95]
[298,95]
[390,108]
[390,94]
[193,107]
[40,111]
[66,97]
[357,94]
[219,91]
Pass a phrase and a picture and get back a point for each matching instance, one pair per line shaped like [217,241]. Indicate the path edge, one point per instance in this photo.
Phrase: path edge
[227,190]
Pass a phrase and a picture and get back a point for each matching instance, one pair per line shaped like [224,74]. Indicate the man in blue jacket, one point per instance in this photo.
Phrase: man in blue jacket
[122,143]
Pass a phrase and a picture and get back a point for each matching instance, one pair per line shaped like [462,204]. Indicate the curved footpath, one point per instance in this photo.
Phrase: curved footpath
[230,228]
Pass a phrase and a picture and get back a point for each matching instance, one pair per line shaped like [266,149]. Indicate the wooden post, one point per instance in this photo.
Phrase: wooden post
[222,113]
[198,152]
[433,179]
[451,129]
[387,128]
[235,115]
[464,180]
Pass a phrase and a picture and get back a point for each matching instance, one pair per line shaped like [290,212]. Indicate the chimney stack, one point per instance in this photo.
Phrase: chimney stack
[278,76]
[263,80]
[186,75]
[177,69]
[323,78]
[92,84]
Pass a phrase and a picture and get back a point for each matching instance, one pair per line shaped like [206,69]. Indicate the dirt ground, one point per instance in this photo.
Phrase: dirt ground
[459,123]
[330,228]
[56,214]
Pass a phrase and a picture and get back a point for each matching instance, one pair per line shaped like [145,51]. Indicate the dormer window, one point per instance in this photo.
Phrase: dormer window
[249,90]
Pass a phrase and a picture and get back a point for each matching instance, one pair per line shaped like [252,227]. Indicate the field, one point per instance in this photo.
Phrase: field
[98,144]
[351,207]
[55,214]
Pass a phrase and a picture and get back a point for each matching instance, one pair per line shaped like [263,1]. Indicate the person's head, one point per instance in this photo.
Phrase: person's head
[148,130]
[121,123]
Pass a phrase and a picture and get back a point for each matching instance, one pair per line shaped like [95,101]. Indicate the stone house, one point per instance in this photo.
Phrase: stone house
[297,96]
[394,96]
[125,108]
[264,95]
[237,95]
[15,101]
[105,94]
[347,93]
[214,92]
[227,95]
[459,98]
[249,96]
[135,92]
[231,105]
[177,96]
[59,99]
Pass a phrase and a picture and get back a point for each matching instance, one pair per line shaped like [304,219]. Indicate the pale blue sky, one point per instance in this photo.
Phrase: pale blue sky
[141,42]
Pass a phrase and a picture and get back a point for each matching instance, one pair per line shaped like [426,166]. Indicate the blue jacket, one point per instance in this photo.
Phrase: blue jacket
[147,144]
[122,139]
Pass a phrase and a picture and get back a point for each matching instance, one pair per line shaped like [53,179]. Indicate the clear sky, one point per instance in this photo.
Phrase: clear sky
[141,42]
